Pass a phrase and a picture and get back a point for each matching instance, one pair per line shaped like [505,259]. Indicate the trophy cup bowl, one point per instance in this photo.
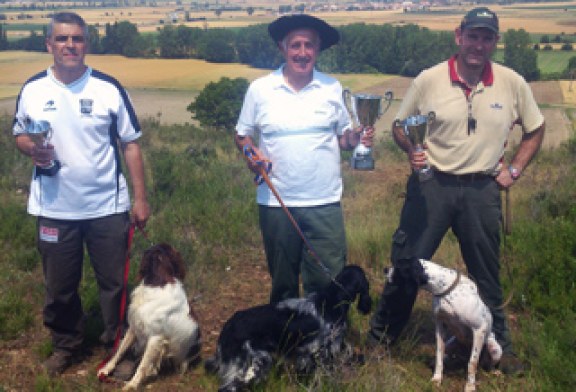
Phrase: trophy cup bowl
[364,109]
[415,128]
[41,132]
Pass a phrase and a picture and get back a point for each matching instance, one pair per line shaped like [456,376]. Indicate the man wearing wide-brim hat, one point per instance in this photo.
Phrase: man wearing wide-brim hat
[298,117]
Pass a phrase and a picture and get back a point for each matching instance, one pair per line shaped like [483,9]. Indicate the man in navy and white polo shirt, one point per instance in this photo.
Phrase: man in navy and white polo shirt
[84,200]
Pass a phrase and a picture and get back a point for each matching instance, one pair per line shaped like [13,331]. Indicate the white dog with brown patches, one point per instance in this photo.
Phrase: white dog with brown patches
[162,325]
[457,308]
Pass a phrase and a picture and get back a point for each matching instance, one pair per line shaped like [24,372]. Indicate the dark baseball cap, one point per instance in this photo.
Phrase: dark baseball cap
[480,17]
[287,23]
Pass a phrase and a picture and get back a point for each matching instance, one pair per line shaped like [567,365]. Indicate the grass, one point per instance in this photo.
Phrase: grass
[203,205]
[549,61]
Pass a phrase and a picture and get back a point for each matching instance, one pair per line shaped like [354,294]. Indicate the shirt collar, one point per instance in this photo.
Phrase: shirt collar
[487,78]
[280,82]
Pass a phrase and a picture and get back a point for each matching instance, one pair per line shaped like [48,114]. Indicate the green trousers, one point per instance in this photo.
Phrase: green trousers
[471,207]
[286,252]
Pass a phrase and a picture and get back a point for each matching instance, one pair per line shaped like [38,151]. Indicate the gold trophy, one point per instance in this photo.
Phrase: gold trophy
[415,128]
[364,109]
[41,132]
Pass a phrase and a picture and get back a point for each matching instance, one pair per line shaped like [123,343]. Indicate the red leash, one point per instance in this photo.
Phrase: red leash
[122,305]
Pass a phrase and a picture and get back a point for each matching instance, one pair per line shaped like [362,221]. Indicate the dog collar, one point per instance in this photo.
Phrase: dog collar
[451,287]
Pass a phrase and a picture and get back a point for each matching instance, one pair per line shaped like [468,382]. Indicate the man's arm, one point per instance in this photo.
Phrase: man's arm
[529,146]
[135,165]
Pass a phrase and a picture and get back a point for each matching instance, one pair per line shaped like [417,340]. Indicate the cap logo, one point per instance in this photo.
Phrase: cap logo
[484,14]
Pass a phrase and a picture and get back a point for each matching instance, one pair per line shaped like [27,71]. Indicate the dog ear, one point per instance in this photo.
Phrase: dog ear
[364,305]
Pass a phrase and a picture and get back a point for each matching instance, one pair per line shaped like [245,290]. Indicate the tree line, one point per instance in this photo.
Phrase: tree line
[364,48]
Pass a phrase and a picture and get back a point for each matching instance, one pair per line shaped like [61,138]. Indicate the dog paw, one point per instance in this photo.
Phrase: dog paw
[436,380]
[470,387]
[130,386]
[104,372]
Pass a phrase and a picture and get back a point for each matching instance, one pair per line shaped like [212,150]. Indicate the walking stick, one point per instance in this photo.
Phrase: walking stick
[264,167]
[508,213]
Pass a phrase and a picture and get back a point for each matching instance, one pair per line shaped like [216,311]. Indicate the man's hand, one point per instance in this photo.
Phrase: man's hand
[42,155]
[417,159]
[367,136]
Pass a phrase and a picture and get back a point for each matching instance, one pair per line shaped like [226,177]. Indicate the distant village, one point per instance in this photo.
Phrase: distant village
[238,5]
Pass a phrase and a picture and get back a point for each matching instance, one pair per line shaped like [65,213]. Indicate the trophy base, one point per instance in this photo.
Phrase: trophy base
[48,171]
[362,162]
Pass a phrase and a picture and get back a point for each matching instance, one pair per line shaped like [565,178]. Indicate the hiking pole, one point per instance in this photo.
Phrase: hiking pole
[264,166]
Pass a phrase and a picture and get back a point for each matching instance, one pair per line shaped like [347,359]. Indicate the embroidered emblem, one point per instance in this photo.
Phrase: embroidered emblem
[49,106]
[86,106]
[497,106]
[48,234]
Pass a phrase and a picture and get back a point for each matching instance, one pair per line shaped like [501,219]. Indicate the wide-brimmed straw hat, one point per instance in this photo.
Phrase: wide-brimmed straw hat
[287,23]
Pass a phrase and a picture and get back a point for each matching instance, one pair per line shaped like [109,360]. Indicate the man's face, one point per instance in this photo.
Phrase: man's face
[476,46]
[68,46]
[300,49]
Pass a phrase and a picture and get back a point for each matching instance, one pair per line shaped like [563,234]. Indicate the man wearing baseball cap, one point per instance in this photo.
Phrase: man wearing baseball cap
[476,103]
[297,116]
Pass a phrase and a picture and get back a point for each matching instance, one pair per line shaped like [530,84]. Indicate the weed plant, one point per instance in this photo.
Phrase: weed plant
[203,204]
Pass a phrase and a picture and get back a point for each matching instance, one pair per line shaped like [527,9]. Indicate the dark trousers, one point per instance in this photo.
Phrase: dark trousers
[286,252]
[471,207]
[61,245]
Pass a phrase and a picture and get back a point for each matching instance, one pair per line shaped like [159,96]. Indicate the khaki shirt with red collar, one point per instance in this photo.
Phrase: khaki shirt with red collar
[500,100]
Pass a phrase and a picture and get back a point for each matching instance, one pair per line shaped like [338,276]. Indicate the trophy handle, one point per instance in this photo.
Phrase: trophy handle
[388,96]
[350,106]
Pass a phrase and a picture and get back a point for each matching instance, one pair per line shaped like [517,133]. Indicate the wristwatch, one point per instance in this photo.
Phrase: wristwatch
[514,173]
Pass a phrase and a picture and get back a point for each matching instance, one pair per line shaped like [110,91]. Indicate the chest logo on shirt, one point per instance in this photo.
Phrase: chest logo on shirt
[86,106]
[49,106]
[496,105]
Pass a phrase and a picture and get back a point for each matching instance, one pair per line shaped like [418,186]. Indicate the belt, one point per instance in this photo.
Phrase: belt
[468,177]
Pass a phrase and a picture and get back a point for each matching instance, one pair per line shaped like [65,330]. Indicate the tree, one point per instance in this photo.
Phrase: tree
[256,49]
[123,38]
[3,38]
[519,55]
[218,104]
[94,40]
[180,42]
[217,46]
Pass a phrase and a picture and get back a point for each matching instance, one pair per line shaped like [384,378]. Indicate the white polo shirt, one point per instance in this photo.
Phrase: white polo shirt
[87,116]
[298,132]
[501,99]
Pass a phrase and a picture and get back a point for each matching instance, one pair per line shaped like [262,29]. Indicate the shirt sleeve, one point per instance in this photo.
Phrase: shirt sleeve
[246,124]
[127,122]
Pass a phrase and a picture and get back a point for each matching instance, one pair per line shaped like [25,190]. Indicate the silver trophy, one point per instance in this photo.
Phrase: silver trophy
[364,109]
[41,132]
[415,128]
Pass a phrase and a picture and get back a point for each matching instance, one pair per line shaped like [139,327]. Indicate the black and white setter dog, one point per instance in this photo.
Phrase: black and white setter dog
[458,309]
[308,331]
[162,325]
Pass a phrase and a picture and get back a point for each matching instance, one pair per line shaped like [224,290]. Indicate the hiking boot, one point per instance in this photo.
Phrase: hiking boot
[510,364]
[58,362]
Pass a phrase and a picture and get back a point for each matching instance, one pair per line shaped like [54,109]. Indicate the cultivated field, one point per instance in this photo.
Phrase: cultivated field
[164,88]
[548,18]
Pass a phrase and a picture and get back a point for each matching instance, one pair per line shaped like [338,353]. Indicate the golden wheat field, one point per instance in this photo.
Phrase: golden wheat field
[164,88]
